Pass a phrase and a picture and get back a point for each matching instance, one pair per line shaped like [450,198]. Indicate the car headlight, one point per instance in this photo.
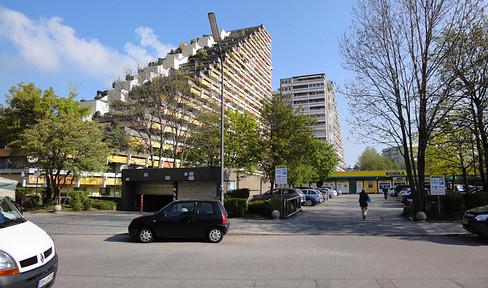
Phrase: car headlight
[481,217]
[7,265]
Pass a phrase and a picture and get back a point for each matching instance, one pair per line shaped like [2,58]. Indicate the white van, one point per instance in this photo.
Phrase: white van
[27,254]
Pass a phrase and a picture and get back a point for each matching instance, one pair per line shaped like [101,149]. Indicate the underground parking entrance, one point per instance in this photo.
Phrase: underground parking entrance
[151,189]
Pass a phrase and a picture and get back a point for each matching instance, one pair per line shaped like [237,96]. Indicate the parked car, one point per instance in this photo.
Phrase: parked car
[332,192]
[476,221]
[325,192]
[279,192]
[391,191]
[27,254]
[183,219]
[405,196]
[313,197]
[399,188]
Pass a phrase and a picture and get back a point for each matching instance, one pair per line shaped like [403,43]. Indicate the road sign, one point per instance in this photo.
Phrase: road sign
[437,185]
[281,175]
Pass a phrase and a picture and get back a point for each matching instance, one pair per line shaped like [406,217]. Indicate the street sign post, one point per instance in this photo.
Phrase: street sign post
[281,175]
[438,187]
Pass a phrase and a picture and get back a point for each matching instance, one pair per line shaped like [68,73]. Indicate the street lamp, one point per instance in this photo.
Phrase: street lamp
[215,34]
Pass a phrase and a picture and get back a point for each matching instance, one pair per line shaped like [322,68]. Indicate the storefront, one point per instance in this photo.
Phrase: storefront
[371,181]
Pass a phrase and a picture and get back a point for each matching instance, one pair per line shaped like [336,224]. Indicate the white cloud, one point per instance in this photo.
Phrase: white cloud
[50,46]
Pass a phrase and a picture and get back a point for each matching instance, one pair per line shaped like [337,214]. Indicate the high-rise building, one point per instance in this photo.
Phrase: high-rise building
[395,153]
[314,96]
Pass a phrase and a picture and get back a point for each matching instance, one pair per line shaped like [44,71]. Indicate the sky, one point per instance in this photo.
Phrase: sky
[89,44]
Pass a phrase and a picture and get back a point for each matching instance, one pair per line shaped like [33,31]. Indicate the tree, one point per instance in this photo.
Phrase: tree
[205,141]
[371,160]
[27,105]
[242,143]
[287,140]
[161,113]
[64,144]
[115,136]
[323,159]
[394,52]
[467,63]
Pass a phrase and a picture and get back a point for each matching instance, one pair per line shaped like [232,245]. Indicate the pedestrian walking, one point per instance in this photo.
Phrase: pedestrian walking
[363,202]
[385,192]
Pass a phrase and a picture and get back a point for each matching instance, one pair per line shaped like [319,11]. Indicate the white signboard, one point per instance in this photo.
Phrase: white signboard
[437,185]
[281,175]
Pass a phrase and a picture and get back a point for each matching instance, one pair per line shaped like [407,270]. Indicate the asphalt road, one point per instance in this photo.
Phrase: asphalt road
[325,246]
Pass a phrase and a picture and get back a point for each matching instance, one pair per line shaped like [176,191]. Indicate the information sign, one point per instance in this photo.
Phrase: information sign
[437,185]
[281,175]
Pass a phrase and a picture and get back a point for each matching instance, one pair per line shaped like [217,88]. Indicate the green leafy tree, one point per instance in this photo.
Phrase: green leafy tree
[115,136]
[371,160]
[205,142]
[27,105]
[287,140]
[242,143]
[64,143]
[324,159]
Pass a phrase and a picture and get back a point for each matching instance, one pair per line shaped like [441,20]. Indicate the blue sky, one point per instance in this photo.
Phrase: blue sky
[92,43]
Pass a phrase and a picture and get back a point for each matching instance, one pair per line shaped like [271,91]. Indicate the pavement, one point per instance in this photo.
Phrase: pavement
[338,216]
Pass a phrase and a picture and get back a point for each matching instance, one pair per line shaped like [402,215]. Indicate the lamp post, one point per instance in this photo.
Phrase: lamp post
[215,34]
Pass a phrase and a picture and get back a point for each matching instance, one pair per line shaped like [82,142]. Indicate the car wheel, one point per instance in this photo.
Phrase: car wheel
[215,235]
[309,202]
[145,235]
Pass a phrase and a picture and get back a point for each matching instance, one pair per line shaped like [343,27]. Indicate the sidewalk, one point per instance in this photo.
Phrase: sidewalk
[342,216]
[338,216]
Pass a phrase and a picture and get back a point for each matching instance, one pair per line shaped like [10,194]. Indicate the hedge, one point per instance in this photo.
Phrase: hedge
[477,199]
[235,207]
[264,207]
[240,193]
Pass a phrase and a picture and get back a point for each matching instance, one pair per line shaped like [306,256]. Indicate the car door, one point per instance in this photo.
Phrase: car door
[175,220]
[207,215]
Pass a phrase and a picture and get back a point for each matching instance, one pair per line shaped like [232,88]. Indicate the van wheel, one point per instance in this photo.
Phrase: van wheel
[145,235]
[215,235]
[309,202]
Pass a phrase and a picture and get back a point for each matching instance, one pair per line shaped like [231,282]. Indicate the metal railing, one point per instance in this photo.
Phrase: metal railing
[290,207]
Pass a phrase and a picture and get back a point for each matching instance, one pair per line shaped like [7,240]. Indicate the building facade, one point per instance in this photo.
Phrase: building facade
[395,153]
[314,96]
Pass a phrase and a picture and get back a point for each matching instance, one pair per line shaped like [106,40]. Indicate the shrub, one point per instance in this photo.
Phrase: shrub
[264,207]
[103,204]
[452,204]
[240,193]
[236,207]
[34,201]
[79,199]
[87,203]
[477,199]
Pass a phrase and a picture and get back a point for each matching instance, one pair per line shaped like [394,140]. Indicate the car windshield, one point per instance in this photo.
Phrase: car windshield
[9,215]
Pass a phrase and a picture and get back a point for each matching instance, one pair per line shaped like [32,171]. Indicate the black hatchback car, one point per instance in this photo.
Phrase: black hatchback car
[183,219]
[476,221]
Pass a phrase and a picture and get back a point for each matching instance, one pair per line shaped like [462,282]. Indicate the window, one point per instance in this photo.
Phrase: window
[179,209]
[205,208]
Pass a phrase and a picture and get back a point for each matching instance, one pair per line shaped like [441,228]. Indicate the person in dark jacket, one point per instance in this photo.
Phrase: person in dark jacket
[363,202]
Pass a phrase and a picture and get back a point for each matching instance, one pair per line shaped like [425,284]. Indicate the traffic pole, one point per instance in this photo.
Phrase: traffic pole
[142,202]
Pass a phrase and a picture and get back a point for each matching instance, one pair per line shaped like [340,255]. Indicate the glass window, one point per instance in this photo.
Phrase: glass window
[179,209]
[205,208]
